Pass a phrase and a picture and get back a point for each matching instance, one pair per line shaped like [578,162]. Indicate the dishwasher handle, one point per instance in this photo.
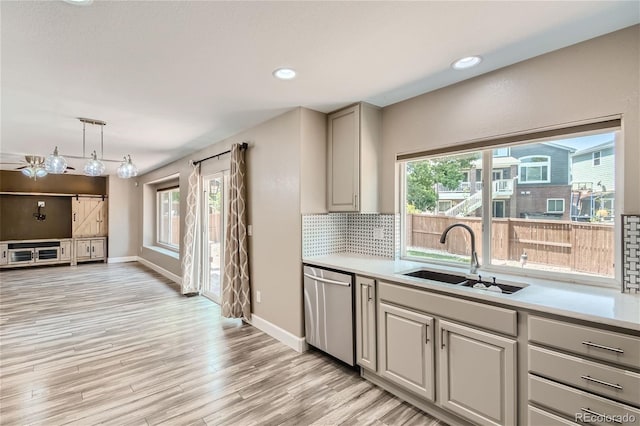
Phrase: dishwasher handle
[328,281]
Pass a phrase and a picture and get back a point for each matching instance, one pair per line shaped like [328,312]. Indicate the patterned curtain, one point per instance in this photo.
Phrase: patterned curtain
[236,293]
[191,283]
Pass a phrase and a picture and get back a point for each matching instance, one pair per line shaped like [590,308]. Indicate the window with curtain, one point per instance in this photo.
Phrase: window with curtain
[168,218]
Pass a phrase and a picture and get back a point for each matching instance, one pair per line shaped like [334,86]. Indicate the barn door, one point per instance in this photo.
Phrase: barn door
[89,217]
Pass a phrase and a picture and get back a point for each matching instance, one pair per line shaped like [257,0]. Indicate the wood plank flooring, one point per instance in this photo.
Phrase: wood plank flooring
[117,344]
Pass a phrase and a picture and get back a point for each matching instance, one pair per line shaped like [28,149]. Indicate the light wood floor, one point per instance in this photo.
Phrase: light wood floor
[117,344]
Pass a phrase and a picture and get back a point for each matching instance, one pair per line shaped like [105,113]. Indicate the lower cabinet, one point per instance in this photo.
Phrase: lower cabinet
[65,250]
[406,349]
[426,348]
[366,323]
[4,254]
[90,249]
[477,377]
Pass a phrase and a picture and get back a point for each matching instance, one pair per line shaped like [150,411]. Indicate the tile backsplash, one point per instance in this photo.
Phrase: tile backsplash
[324,234]
[332,233]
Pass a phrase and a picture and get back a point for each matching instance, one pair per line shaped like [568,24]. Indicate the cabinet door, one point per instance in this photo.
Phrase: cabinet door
[89,217]
[4,254]
[366,323]
[405,349]
[344,160]
[477,377]
[65,250]
[97,249]
[83,249]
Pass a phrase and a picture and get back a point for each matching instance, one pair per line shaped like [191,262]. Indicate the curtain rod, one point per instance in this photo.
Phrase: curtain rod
[243,145]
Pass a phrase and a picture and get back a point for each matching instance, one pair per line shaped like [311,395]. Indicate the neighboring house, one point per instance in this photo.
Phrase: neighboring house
[593,183]
[529,181]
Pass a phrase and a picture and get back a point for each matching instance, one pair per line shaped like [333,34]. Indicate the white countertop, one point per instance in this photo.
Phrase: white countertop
[590,303]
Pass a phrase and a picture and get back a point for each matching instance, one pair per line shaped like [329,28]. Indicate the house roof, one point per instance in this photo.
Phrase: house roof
[599,147]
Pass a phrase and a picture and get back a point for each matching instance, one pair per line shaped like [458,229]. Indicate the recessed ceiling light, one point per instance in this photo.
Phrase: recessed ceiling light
[284,73]
[468,62]
[79,2]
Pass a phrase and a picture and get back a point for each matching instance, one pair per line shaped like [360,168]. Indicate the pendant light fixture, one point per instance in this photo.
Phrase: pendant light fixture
[55,163]
[95,166]
[37,166]
[127,169]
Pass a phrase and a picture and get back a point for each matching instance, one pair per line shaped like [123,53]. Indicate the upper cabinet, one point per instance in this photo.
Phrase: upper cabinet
[353,139]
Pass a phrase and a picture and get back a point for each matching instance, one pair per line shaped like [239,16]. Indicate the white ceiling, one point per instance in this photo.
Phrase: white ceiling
[171,77]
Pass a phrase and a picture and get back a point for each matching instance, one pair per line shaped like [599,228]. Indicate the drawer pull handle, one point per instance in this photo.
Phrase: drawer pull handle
[595,345]
[596,414]
[601,382]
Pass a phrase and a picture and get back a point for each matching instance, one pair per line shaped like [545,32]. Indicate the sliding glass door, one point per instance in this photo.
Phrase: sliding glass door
[214,213]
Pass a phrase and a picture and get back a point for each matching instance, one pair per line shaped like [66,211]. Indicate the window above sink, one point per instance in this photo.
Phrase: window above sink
[557,222]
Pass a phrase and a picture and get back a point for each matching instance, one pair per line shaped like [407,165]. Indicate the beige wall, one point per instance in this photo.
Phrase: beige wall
[596,78]
[122,218]
[275,181]
[313,162]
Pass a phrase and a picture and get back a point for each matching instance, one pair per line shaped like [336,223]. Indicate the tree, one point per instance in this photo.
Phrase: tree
[422,177]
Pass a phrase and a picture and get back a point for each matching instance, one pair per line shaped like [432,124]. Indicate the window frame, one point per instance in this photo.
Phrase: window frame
[486,148]
[595,159]
[158,242]
[556,211]
[546,163]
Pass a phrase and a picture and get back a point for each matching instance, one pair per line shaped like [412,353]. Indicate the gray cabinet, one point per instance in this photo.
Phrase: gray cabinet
[353,148]
[366,323]
[583,372]
[477,374]
[406,349]
[90,249]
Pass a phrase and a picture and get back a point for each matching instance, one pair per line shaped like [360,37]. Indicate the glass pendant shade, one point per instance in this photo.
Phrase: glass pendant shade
[55,163]
[34,172]
[94,167]
[127,169]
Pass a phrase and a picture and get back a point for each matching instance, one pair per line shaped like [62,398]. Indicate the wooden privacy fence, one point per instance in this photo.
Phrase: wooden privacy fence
[580,246]
[215,231]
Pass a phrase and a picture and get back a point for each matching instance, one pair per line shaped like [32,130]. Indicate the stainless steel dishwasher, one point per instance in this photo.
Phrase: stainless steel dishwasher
[328,312]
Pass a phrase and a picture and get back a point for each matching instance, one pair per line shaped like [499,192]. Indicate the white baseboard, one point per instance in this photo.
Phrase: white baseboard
[122,259]
[298,344]
[173,277]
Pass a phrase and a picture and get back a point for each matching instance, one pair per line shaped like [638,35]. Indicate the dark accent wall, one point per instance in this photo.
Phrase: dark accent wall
[14,181]
[17,221]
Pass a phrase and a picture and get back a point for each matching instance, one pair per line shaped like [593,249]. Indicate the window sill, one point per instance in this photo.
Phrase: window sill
[165,251]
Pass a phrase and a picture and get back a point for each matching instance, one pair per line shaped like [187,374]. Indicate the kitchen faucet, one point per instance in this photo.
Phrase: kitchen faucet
[474,256]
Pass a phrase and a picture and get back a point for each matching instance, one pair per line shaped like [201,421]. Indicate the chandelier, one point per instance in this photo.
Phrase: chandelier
[57,164]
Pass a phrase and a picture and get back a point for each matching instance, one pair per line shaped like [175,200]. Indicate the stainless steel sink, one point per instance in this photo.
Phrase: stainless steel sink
[437,276]
[506,288]
[462,280]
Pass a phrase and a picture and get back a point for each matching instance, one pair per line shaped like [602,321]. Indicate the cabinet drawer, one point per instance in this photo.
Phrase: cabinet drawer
[579,405]
[592,342]
[612,382]
[489,317]
[537,416]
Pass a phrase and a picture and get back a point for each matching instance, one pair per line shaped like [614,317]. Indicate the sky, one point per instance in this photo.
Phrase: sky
[584,142]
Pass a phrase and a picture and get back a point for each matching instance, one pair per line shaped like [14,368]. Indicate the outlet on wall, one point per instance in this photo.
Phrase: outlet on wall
[258,296]
[40,203]
[378,233]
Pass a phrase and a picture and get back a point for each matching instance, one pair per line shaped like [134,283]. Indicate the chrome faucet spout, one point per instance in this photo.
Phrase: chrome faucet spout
[474,255]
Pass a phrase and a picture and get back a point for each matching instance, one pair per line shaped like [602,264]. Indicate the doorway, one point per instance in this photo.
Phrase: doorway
[213,230]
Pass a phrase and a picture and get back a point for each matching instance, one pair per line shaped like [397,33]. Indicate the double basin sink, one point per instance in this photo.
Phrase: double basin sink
[462,280]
